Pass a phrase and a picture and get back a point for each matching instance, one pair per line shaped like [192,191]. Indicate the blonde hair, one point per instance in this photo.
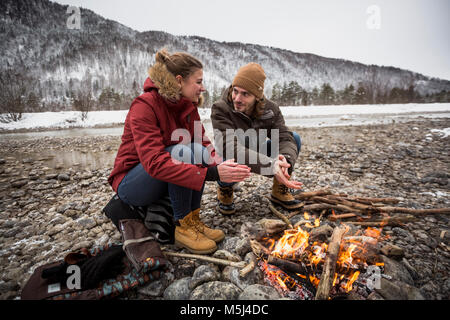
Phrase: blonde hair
[179,63]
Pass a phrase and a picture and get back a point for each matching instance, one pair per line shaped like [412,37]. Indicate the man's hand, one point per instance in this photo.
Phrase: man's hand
[281,173]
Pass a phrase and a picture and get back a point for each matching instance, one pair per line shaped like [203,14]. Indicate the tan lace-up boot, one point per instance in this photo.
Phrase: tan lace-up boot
[188,236]
[213,234]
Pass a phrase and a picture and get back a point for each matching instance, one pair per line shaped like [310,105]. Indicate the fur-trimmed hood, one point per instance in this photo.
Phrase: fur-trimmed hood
[166,83]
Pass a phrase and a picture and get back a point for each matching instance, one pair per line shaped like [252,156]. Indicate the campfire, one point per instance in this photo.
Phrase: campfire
[333,249]
[296,264]
[303,264]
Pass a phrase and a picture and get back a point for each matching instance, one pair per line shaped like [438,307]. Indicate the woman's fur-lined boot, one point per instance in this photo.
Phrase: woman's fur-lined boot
[225,198]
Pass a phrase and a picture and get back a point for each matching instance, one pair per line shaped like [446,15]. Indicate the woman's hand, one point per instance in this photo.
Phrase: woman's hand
[230,171]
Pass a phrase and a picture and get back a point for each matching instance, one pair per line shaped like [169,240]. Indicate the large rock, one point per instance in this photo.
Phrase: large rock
[228,244]
[178,290]
[251,230]
[216,290]
[202,274]
[259,292]
[397,290]
[63,177]
[243,247]
[397,270]
[157,287]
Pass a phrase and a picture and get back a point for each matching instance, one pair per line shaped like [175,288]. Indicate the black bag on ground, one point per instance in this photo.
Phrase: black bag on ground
[107,270]
[93,269]
[157,217]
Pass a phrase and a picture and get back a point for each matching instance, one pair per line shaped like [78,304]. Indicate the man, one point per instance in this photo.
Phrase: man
[242,119]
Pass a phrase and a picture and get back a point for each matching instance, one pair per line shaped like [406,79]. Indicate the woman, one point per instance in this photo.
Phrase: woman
[160,150]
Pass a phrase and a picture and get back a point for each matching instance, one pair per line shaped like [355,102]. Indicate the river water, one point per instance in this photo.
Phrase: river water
[292,122]
[98,159]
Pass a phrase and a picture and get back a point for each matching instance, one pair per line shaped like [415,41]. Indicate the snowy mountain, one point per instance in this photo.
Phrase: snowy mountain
[37,46]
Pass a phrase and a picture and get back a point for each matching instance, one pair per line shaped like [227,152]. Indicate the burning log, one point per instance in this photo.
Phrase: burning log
[329,268]
[306,257]
[301,223]
[363,239]
[286,284]
[287,265]
[258,249]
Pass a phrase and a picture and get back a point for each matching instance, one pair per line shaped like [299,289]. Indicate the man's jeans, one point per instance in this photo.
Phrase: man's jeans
[138,188]
[298,141]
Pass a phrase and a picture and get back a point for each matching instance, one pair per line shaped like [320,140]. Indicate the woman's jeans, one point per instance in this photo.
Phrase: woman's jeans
[138,188]
[298,141]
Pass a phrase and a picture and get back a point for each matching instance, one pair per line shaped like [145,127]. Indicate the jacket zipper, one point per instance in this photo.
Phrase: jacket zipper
[245,116]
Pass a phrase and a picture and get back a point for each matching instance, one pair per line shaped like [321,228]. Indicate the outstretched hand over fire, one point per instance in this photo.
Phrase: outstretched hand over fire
[281,173]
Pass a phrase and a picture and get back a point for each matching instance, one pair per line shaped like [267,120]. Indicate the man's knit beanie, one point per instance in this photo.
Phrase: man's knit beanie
[251,78]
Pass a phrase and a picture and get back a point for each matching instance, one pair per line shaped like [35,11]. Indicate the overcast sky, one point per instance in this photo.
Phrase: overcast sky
[408,34]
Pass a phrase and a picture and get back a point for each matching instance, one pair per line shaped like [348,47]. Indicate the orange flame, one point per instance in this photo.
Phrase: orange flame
[345,257]
[372,232]
[319,253]
[314,280]
[293,242]
[349,286]
[316,222]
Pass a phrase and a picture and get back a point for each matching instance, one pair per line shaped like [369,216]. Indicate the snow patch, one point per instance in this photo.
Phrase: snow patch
[72,119]
[437,194]
[444,133]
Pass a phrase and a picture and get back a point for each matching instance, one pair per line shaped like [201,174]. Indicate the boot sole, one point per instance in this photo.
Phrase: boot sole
[179,244]
[226,212]
[289,207]
[216,240]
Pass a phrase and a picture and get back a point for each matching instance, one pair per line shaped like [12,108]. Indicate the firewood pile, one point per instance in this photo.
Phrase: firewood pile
[363,211]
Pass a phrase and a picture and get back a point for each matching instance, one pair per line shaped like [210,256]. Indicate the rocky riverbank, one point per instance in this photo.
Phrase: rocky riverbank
[51,207]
